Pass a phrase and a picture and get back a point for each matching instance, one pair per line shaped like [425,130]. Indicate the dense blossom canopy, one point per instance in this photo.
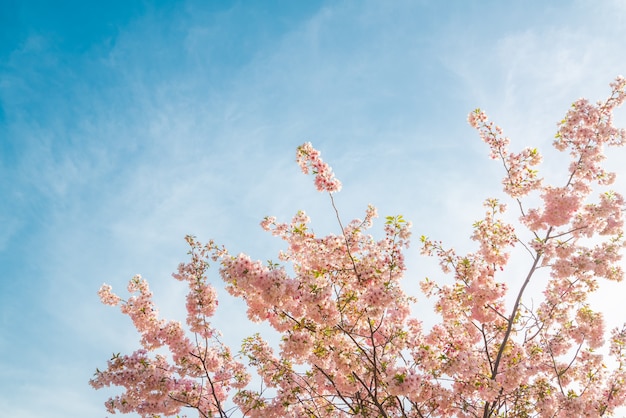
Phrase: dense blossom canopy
[350,346]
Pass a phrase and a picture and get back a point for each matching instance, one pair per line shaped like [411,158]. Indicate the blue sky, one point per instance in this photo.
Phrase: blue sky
[125,125]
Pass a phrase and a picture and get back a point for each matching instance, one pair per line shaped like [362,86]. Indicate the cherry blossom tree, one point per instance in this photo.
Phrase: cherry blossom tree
[350,346]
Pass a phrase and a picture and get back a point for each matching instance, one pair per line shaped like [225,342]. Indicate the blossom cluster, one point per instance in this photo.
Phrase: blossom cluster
[201,372]
[309,160]
[521,178]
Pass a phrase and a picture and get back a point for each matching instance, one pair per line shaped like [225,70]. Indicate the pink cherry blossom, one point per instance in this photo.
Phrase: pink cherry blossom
[349,343]
[309,160]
